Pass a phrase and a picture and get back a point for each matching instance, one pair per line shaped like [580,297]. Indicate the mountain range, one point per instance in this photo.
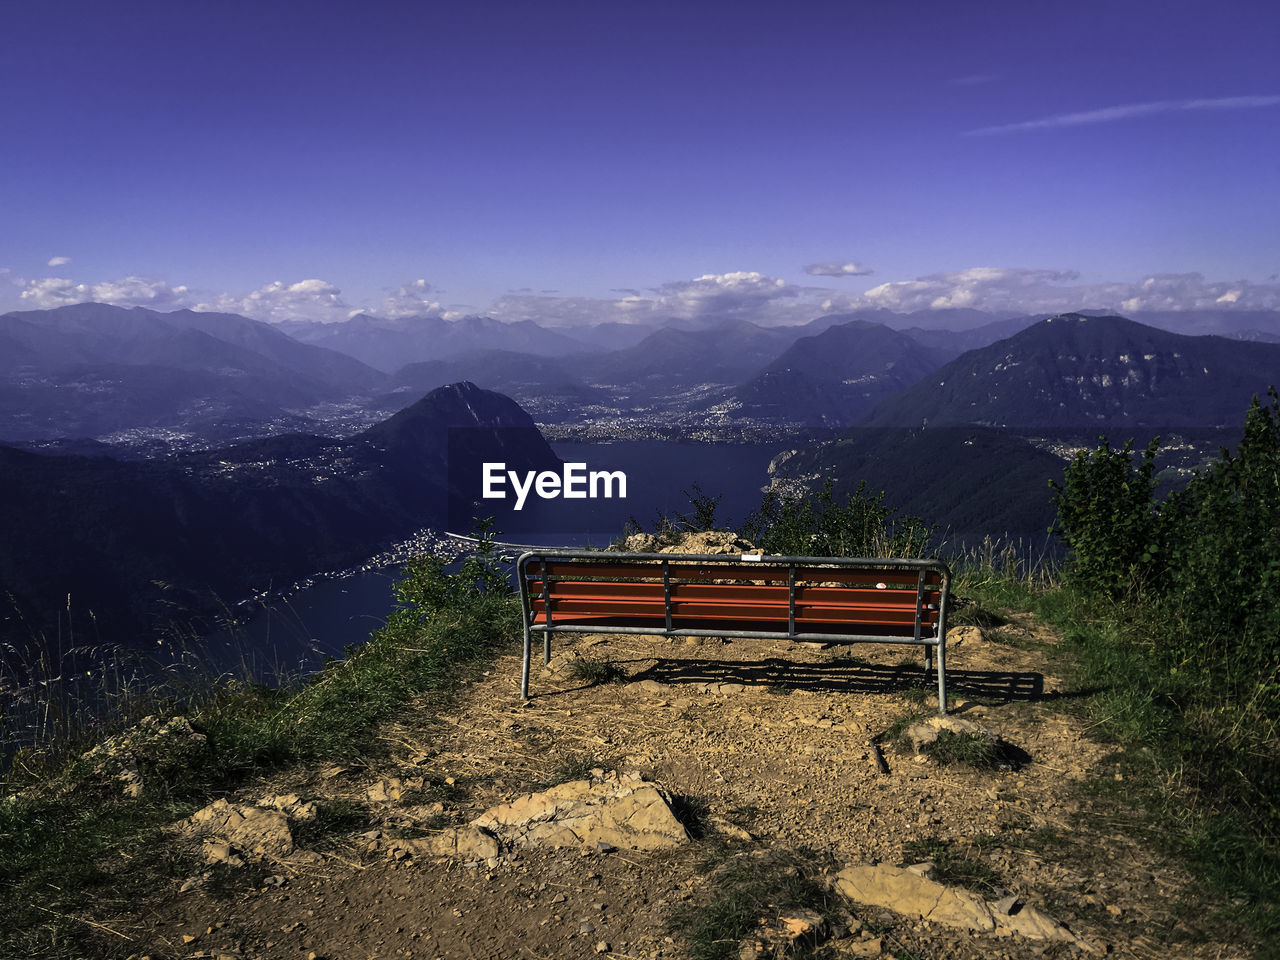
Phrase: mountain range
[388,344]
[92,371]
[1108,372]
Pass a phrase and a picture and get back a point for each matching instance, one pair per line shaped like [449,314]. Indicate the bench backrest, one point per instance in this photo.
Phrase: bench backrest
[729,595]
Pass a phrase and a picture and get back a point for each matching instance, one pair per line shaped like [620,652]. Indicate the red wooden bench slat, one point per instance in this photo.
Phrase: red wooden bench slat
[746,594]
[685,571]
[723,589]
[567,610]
[766,611]
[803,625]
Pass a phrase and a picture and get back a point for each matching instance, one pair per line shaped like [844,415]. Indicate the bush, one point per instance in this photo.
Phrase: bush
[1191,665]
[1106,516]
[820,526]
[1222,538]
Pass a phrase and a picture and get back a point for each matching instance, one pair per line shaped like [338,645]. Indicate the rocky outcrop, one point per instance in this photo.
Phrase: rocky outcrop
[966,635]
[152,746]
[233,833]
[913,892]
[704,541]
[608,811]
[468,843]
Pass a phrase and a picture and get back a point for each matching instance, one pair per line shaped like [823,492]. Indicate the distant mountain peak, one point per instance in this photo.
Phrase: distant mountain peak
[460,404]
[1074,370]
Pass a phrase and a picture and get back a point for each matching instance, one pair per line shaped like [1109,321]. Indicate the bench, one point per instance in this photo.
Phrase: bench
[822,599]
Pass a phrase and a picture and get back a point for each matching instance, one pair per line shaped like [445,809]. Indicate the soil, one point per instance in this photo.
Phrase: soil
[764,747]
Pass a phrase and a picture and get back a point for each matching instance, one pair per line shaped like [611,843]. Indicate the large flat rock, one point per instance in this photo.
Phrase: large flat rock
[913,895]
[620,810]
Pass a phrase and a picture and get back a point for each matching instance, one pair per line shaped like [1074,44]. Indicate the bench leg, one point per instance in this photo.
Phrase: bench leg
[524,669]
[942,677]
[546,648]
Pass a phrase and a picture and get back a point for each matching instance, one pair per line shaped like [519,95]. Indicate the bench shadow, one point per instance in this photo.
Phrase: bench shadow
[845,675]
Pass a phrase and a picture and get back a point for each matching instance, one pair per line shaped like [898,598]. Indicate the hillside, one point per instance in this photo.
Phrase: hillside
[548,387]
[956,342]
[89,333]
[387,344]
[92,369]
[970,482]
[835,378]
[670,359]
[1073,371]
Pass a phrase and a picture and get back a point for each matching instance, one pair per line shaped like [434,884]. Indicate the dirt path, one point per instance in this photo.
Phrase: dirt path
[750,738]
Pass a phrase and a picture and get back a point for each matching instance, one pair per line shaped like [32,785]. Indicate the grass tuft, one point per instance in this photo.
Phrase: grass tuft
[749,887]
[596,672]
[954,868]
[971,749]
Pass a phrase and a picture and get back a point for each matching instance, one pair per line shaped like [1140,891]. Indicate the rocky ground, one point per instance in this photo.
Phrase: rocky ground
[765,753]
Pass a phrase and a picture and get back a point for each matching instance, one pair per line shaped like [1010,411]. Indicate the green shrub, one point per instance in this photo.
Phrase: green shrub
[1222,539]
[1202,571]
[704,509]
[969,749]
[820,526]
[1106,517]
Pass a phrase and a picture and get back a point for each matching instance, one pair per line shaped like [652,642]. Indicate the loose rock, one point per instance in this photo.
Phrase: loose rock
[624,811]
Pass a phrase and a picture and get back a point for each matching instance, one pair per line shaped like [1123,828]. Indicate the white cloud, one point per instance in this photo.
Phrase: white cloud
[411,300]
[1051,291]
[849,269]
[1128,110]
[699,302]
[50,292]
[59,261]
[715,297]
[977,287]
[722,294]
[556,311]
[704,300]
[312,299]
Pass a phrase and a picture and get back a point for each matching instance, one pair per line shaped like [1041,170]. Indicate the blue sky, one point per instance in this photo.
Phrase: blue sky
[578,161]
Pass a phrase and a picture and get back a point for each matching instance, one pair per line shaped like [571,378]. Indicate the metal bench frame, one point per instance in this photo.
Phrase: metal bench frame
[667,615]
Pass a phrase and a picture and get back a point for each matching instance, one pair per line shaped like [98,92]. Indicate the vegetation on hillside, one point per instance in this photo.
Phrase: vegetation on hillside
[1202,570]
[62,822]
[1173,607]
[860,525]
